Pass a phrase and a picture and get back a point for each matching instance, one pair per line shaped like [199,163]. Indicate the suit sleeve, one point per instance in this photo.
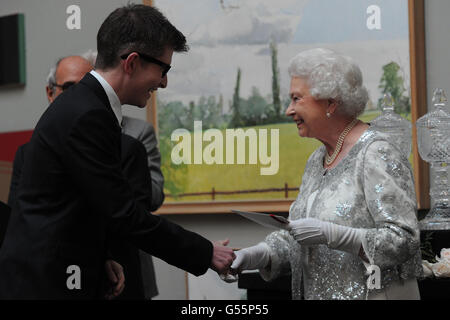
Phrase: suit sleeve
[16,174]
[92,156]
[135,169]
[148,139]
[5,212]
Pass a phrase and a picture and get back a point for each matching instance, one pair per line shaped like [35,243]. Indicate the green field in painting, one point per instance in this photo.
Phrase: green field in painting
[293,155]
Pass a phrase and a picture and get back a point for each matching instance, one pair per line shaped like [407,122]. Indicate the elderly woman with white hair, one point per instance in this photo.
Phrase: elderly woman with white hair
[356,209]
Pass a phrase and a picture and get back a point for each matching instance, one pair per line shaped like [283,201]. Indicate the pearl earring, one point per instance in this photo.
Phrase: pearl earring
[328,115]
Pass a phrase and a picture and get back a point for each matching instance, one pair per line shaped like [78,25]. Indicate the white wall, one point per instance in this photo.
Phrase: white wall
[47,38]
[437,39]
[437,42]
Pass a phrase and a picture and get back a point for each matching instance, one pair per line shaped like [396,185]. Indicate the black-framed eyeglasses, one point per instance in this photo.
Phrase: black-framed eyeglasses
[65,85]
[166,67]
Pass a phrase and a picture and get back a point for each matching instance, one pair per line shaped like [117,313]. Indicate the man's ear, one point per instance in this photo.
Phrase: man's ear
[130,63]
[49,94]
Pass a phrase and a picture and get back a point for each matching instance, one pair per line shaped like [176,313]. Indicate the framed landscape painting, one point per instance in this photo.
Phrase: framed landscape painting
[224,137]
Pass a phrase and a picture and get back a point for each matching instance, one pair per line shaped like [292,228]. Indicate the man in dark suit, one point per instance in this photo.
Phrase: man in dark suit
[136,264]
[73,195]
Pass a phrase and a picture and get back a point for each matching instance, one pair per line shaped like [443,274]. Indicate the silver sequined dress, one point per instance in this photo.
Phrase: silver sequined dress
[372,188]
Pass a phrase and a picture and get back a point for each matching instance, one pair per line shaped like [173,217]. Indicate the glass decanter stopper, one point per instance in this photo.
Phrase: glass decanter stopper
[394,125]
[433,139]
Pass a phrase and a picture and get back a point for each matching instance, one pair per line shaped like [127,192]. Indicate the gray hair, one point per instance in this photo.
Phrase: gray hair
[51,78]
[332,76]
[89,55]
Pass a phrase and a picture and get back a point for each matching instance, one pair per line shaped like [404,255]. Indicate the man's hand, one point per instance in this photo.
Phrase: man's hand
[114,272]
[222,256]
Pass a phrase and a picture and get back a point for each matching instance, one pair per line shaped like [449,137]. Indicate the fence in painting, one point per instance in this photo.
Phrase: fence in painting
[213,193]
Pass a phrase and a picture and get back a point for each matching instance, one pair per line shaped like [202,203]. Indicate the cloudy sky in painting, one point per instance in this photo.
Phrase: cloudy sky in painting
[230,34]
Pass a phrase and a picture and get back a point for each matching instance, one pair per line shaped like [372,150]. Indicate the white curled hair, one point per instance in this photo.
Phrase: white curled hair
[332,76]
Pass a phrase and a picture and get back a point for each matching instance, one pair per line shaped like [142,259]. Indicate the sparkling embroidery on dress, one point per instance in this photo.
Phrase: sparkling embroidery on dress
[395,169]
[379,205]
[343,209]
[379,188]
[383,153]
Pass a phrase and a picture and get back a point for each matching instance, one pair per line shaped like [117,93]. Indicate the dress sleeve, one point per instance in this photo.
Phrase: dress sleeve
[279,243]
[389,191]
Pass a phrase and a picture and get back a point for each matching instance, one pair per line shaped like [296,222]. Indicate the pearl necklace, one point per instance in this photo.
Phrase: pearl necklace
[330,159]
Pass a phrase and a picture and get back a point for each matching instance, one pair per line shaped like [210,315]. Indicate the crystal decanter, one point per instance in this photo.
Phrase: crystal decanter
[394,125]
[433,139]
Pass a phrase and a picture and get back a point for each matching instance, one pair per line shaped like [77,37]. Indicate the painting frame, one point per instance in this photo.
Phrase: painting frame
[416,22]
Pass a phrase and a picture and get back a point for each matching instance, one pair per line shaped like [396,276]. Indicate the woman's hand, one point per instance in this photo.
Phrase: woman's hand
[307,231]
[311,231]
[256,257]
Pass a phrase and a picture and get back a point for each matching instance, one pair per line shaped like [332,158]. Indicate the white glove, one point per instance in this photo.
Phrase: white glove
[256,257]
[312,231]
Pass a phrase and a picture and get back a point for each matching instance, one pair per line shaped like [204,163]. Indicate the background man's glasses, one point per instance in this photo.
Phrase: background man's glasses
[65,85]
[166,67]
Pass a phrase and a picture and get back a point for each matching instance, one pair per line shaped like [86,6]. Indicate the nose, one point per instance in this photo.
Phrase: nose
[290,110]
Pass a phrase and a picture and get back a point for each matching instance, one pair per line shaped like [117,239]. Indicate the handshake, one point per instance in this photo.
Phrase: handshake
[309,231]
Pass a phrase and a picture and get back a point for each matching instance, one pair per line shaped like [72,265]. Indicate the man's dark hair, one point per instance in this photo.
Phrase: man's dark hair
[136,27]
